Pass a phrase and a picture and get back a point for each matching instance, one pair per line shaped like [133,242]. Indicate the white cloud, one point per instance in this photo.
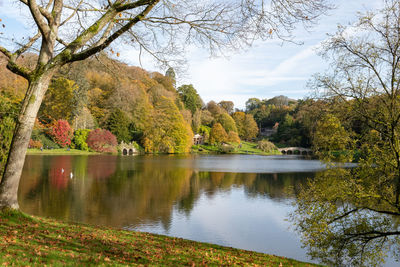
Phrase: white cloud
[264,70]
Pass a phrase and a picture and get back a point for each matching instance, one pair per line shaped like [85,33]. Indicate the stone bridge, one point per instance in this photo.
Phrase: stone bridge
[127,149]
[296,151]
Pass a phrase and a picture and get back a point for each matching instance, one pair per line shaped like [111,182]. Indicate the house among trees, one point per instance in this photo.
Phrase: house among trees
[198,139]
[269,131]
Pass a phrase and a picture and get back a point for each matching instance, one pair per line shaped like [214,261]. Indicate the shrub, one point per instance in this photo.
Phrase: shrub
[266,146]
[80,137]
[61,133]
[35,144]
[38,135]
[226,148]
[101,140]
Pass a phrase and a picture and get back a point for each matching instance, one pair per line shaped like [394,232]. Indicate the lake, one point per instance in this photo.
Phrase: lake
[240,201]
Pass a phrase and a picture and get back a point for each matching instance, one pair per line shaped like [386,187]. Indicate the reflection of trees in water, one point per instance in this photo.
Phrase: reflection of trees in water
[348,221]
[277,185]
[135,191]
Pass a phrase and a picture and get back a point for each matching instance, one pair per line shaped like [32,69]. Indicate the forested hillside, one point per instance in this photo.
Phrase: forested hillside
[134,105]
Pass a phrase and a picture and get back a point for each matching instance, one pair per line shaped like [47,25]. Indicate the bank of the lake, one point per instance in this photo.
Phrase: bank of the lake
[248,148]
[59,151]
[28,240]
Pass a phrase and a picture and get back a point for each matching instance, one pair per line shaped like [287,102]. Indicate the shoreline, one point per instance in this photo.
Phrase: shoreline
[31,240]
[247,148]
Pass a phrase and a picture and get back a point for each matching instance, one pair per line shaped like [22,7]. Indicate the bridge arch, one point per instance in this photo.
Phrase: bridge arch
[296,151]
[127,149]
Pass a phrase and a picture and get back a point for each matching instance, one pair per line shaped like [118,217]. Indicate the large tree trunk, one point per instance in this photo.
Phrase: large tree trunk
[16,157]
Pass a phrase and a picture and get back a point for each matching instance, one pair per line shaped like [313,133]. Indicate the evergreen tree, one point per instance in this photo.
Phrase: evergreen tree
[118,124]
[190,98]
[171,74]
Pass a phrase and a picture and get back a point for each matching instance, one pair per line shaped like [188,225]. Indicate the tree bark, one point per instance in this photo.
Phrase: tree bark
[22,133]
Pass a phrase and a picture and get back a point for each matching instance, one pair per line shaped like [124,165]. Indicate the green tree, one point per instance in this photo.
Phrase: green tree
[79,139]
[218,134]
[227,122]
[349,216]
[190,97]
[118,124]
[252,103]
[8,111]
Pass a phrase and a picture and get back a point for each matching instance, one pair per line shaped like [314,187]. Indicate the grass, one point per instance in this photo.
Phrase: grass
[27,240]
[246,148]
[59,151]
[251,148]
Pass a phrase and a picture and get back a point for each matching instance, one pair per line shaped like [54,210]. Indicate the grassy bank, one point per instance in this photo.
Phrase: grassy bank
[27,240]
[59,151]
[245,148]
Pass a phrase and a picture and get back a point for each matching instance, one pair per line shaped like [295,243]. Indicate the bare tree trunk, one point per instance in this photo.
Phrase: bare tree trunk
[16,157]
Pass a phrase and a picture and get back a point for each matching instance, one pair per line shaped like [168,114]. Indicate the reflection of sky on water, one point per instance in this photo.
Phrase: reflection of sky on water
[256,164]
[230,219]
[233,200]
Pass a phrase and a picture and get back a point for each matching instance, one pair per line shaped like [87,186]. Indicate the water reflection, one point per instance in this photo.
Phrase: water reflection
[213,199]
[179,196]
[119,191]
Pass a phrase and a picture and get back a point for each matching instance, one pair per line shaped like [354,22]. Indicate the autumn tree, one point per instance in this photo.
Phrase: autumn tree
[233,137]
[227,122]
[59,100]
[168,132]
[218,134]
[61,132]
[70,31]
[349,216]
[102,140]
[227,106]
[246,125]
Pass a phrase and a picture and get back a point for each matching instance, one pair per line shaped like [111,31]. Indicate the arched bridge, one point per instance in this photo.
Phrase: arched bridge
[127,149]
[296,151]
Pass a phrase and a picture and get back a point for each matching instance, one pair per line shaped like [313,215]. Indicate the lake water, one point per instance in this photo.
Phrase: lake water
[240,201]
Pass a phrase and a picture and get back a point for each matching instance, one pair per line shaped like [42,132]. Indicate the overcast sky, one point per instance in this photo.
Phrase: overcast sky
[265,70]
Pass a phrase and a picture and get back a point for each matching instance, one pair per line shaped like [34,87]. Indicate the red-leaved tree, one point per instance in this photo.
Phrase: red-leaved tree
[101,140]
[62,133]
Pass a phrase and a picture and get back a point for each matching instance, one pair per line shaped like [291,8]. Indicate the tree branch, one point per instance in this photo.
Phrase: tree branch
[89,52]
[38,17]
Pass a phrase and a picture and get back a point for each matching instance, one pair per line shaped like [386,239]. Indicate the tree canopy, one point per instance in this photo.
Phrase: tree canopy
[350,215]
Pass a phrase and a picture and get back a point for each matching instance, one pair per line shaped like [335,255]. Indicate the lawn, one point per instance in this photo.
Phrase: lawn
[27,240]
[245,148]
[59,151]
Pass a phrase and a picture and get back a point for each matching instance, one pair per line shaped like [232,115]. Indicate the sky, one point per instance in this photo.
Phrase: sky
[265,70]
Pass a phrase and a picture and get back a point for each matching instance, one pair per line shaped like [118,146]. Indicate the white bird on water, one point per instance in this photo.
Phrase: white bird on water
[62,170]
[71,175]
